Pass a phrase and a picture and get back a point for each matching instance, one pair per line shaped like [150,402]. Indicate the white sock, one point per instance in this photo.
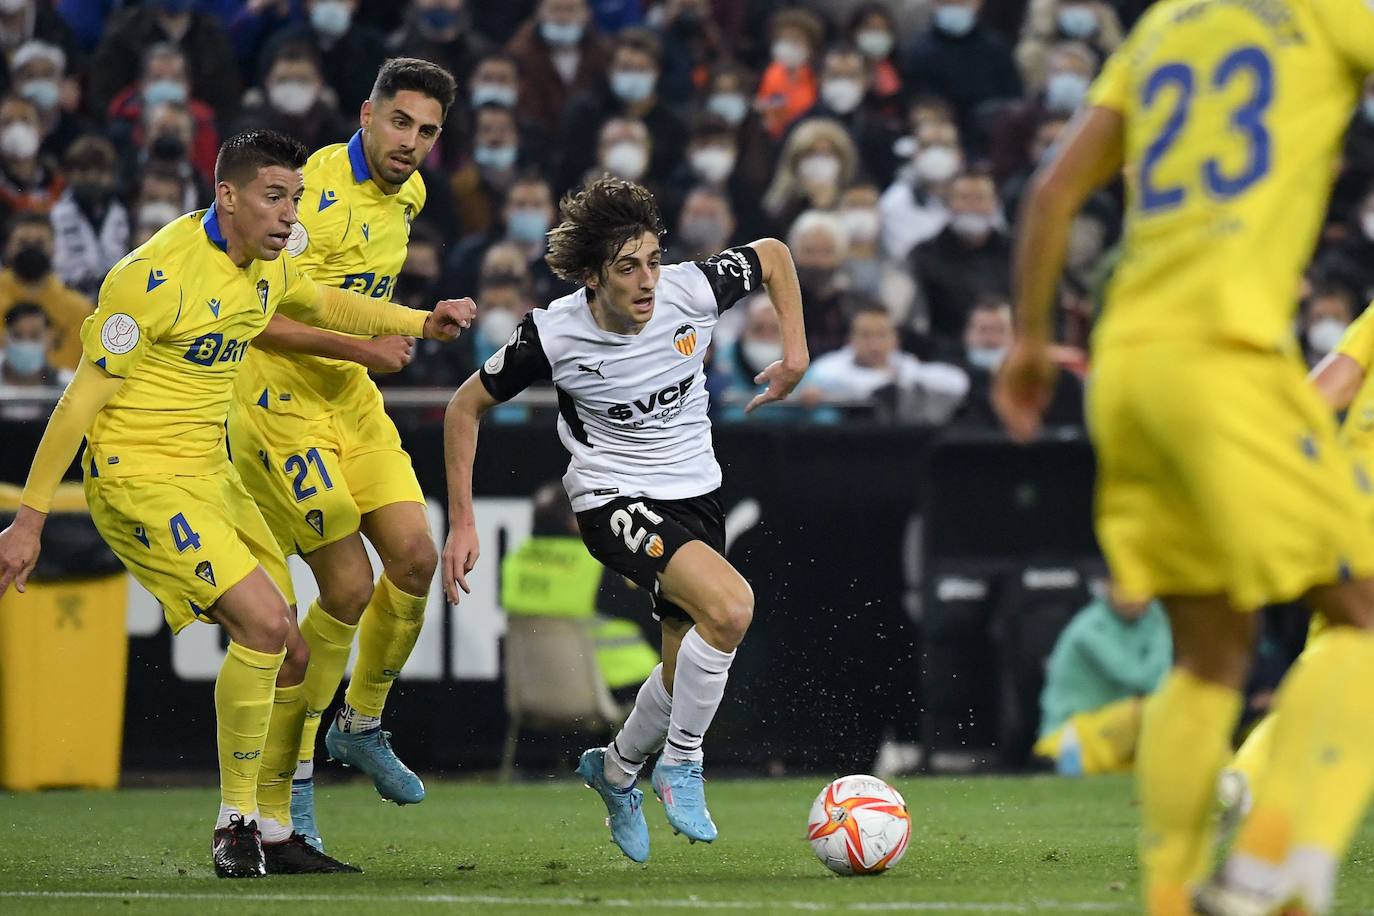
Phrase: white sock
[225,811]
[274,831]
[352,721]
[1313,874]
[305,770]
[642,734]
[698,688]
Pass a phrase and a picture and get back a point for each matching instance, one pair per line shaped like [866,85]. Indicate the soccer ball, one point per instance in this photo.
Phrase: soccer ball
[859,826]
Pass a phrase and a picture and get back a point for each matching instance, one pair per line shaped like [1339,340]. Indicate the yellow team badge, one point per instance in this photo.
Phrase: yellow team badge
[685,340]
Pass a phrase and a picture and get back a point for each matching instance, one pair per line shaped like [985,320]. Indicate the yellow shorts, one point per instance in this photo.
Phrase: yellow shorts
[186,539]
[315,479]
[1219,472]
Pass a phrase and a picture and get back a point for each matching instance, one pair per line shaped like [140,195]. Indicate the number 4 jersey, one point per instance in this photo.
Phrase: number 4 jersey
[632,407]
[1234,114]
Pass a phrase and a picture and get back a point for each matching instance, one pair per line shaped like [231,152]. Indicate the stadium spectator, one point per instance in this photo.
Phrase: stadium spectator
[28,277]
[817,162]
[691,40]
[874,32]
[29,181]
[163,82]
[865,269]
[960,60]
[558,54]
[819,244]
[870,366]
[629,90]
[970,256]
[440,31]
[505,297]
[1326,312]
[23,21]
[418,286]
[38,71]
[736,363]
[352,51]
[481,184]
[705,226]
[494,80]
[1039,147]
[913,207]
[90,224]
[210,73]
[728,95]
[1048,22]
[253,23]
[1070,71]
[295,100]
[1351,259]
[623,149]
[845,96]
[164,141]
[788,88]
[25,362]
[987,337]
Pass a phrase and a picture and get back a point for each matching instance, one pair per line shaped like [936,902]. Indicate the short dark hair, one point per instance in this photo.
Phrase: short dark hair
[27,218]
[21,310]
[597,221]
[90,151]
[295,51]
[400,74]
[857,304]
[243,154]
[641,39]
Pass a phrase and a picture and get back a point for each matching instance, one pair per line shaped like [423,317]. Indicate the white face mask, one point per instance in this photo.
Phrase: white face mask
[987,358]
[632,86]
[1077,21]
[495,93]
[156,214]
[842,95]
[627,159]
[293,97]
[760,354]
[732,106]
[791,54]
[19,140]
[10,7]
[972,226]
[1064,91]
[25,357]
[860,223]
[936,164]
[1324,334]
[819,168]
[496,326]
[331,18]
[43,93]
[561,34]
[956,20]
[874,43]
[1367,225]
[713,163]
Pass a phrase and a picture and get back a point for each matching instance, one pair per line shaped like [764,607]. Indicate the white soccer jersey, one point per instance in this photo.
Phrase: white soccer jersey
[632,407]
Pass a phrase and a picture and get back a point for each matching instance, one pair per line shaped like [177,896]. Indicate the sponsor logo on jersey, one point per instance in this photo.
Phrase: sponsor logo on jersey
[119,333]
[594,370]
[685,340]
[666,399]
[654,546]
[262,294]
[206,571]
[733,263]
[297,241]
[315,519]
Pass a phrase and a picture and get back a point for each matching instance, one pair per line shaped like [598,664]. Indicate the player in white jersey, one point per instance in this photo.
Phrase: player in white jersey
[626,355]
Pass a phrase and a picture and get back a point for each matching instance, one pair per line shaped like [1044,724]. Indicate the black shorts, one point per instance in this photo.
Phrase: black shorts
[636,536]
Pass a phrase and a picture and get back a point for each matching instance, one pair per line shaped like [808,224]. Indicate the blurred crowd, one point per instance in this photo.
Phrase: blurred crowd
[887,142]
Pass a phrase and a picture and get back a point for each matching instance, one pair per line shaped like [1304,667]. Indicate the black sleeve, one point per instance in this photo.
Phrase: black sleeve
[517,365]
[733,274]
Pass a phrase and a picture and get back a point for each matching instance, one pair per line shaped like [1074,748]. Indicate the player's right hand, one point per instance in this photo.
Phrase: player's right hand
[391,353]
[19,545]
[460,556]
[1023,387]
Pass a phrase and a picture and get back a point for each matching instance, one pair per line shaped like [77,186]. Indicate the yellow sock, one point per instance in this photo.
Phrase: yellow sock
[243,707]
[1252,760]
[1184,741]
[1109,735]
[279,754]
[330,641]
[388,631]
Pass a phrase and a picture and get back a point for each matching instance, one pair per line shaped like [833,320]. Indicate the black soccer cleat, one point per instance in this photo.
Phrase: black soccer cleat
[237,849]
[297,857]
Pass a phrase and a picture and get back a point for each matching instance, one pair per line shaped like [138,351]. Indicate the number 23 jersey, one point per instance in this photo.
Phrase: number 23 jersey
[1234,114]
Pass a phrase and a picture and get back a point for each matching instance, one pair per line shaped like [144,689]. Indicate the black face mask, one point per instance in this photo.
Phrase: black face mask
[816,281]
[168,148]
[31,263]
[91,196]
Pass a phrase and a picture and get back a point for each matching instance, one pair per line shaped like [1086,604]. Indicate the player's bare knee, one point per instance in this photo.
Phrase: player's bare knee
[346,596]
[411,569]
[729,616]
[296,661]
[1347,603]
[268,631]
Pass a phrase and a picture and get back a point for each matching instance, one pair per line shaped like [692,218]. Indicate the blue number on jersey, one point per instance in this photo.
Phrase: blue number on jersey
[1248,119]
[182,534]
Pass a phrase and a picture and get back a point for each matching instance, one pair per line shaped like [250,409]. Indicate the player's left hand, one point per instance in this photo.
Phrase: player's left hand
[19,545]
[449,318]
[1023,388]
[780,379]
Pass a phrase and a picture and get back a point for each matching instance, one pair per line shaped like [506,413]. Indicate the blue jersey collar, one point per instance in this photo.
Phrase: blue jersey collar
[357,158]
[210,223]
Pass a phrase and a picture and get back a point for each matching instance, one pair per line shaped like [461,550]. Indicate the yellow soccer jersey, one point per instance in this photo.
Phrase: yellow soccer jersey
[1358,343]
[1234,113]
[352,235]
[174,319]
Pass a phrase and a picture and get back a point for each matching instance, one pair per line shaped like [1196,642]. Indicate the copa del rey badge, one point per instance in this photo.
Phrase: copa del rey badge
[119,333]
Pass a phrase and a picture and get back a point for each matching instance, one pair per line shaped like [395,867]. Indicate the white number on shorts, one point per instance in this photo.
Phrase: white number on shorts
[623,524]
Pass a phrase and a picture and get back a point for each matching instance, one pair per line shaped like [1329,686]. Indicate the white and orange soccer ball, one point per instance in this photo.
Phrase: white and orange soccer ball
[859,825]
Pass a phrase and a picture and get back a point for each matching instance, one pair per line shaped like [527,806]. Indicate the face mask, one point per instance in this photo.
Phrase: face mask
[561,34]
[713,163]
[496,326]
[1065,91]
[157,213]
[31,263]
[12,6]
[955,20]
[25,357]
[819,168]
[760,354]
[495,157]
[632,86]
[730,106]
[874,43]
[92,196]
[159,91]
[861,224]
[842,95]
[815,280]
[331,18]
[168,148]
[293,97]
[438,19]
[973,227]
[493,93]
[527,226]
[627,159]
[19,140]
[703,232]
[935,164]
[43,93]
[1367,225]
[986,358]
[1077,21]
[791,54]
[1323,335]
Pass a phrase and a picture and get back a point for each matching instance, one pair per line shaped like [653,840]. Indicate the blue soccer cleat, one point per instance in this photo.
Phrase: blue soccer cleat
[625,806]
[370,751]
[303,812]
[682,789]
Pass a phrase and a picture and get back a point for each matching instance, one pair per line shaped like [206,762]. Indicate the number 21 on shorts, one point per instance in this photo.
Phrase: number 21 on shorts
[623,524]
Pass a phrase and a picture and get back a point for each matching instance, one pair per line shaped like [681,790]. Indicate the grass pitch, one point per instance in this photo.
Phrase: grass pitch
[981,845]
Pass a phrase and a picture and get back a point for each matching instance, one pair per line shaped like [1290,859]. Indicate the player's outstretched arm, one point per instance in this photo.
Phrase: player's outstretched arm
[342,310]
[1090,156]
[86,395]
[1337,378]
[461,419]
[784,291]
[391,353]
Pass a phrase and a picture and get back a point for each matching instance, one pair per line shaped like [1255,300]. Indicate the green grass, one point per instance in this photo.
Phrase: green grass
[1032,845]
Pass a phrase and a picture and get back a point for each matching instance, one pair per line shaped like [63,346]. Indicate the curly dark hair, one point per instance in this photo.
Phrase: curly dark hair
[597,221]
[411,73]
[243,154]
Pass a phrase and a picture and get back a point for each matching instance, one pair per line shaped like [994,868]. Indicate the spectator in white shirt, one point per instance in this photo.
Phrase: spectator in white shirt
[913,207]
[90,225]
